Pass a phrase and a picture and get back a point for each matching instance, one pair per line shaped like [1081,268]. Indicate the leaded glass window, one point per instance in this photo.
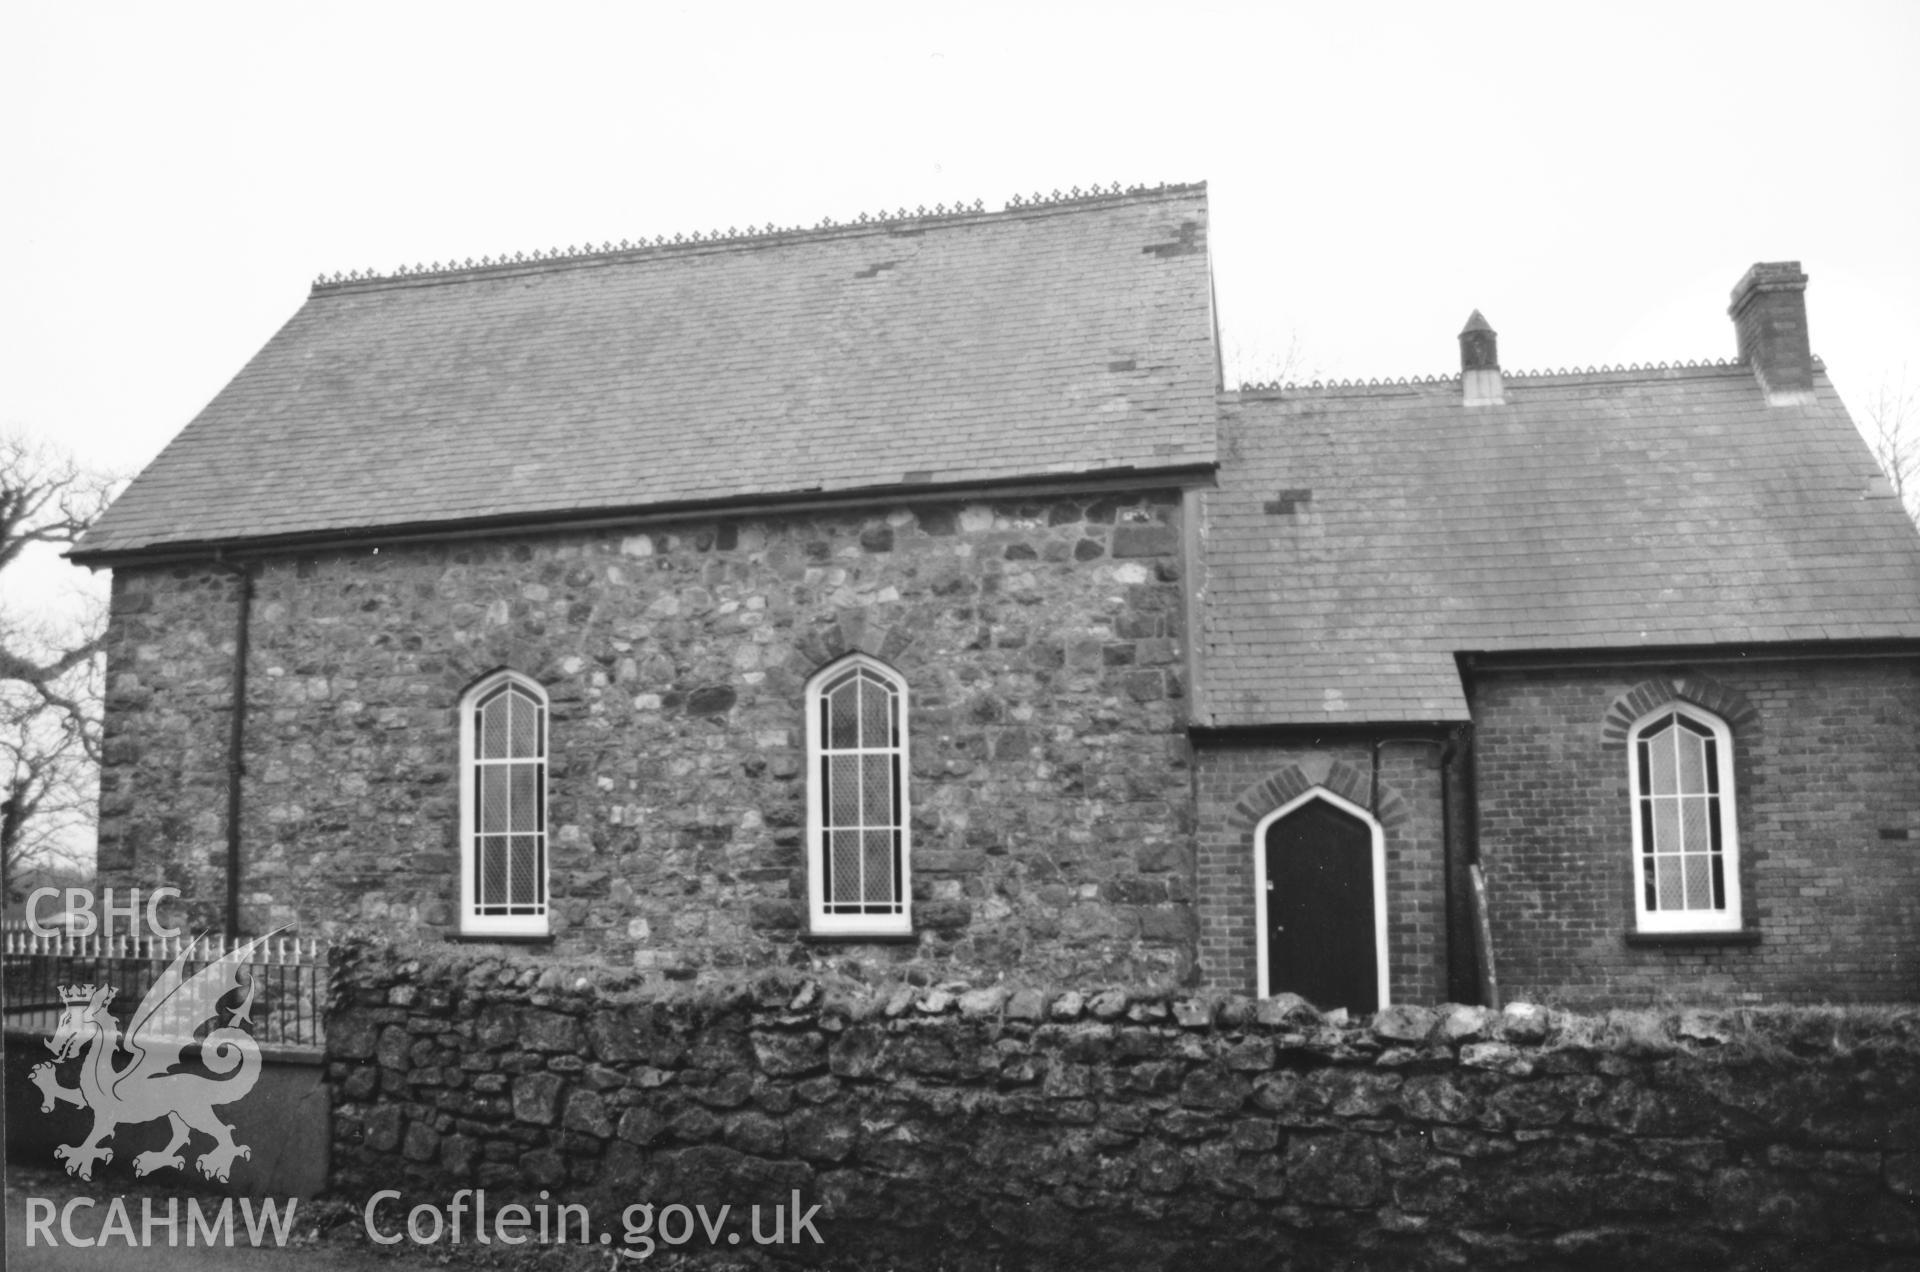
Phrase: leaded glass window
[504,821]
[857,799]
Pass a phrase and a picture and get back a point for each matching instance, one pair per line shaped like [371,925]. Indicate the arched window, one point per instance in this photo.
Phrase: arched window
[1686,843]
[858,846]
[503,808]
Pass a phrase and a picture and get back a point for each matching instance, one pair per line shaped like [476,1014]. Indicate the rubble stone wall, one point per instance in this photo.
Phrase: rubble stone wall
[1017,1126]
[1042,644]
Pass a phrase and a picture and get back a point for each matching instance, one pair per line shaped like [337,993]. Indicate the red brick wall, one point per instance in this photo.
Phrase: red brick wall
[1827,776]
[1239,783]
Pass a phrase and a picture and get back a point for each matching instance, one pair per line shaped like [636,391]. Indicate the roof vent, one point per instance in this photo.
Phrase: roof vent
[1769,313]
[1480,363]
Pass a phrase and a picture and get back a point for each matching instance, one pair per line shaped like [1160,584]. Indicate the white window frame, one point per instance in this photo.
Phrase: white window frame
[1378,836]
[472,923]
[820,920]
[1729,917]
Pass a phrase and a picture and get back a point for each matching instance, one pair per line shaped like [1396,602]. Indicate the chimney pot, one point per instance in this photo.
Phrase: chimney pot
[1480,381]
[1769,313]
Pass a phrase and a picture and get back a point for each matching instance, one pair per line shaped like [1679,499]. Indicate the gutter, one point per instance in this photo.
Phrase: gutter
[236,735]
[1486,973]
[1445,743]
[903,493]
[1454,745]
[1436,732]
[1608,658]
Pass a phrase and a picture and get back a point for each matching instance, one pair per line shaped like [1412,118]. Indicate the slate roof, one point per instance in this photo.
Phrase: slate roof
[1064,339]
[1591,511]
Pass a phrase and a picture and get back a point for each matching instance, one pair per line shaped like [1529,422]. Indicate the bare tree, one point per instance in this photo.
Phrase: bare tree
[50,672]
[1893,430]
[1248,365]
[50,791]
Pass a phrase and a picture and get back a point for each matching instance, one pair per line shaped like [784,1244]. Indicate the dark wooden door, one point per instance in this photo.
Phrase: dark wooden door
[1320,937]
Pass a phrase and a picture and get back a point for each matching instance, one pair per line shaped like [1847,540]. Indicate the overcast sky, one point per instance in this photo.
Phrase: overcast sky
[1594,179]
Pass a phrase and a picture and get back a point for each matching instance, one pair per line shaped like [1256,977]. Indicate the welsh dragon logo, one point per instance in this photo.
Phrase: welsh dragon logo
[146,1087]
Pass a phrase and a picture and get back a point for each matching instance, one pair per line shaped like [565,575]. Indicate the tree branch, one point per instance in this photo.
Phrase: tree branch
[50,675]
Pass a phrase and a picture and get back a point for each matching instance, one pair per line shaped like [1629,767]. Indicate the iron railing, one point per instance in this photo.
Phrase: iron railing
[289,977]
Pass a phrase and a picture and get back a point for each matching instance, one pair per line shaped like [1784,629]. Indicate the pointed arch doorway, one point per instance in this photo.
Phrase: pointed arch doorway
[1320,903]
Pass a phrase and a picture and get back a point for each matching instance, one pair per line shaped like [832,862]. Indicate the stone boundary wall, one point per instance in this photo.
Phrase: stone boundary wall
[963,1128]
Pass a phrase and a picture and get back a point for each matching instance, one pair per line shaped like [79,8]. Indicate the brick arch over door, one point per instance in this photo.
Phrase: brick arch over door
[1230,816]
[1287,784]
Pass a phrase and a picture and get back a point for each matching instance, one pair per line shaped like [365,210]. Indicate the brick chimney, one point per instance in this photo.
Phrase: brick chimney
[1480,382]
[1769,314]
